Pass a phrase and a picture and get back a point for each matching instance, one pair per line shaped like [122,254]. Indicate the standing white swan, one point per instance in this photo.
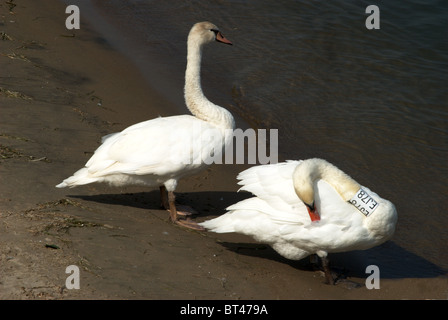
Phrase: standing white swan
[308,207]
[158,152]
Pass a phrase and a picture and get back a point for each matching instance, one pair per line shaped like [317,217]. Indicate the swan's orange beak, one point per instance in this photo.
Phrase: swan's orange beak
[312,211]
[221,38]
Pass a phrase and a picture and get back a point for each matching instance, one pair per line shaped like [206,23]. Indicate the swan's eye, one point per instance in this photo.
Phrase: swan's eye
[215,31]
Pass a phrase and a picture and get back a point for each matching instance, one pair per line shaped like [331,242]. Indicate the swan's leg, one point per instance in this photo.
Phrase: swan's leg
[181,209]
[172,206]
[327,271]
[187,223]
[164,199]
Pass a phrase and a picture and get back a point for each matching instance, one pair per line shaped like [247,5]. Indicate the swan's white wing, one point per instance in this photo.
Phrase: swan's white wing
[274,186]
[162,146]
[275,203]
[277,207]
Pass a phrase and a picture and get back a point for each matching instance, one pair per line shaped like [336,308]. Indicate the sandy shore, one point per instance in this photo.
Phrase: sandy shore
[60,91]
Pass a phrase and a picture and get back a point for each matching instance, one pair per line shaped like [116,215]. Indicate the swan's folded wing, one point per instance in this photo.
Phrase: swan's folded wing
[275,210]
[273,184]
[275,200]
[161,146]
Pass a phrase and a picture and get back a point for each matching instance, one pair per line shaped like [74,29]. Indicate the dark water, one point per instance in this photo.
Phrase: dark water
[373,102]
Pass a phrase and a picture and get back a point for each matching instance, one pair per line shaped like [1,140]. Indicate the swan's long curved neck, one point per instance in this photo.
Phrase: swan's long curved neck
[195,99]
[311,170]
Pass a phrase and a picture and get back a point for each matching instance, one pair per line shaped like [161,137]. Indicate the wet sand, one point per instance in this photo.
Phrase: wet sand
[61,91]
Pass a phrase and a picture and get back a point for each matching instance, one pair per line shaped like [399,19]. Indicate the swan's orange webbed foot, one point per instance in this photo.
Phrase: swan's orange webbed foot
[185,211]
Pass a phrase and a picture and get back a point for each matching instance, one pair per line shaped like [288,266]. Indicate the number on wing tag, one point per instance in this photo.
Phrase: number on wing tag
[364,202]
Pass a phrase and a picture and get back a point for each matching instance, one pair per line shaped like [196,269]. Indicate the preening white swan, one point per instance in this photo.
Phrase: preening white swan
[308,207]
[158,152]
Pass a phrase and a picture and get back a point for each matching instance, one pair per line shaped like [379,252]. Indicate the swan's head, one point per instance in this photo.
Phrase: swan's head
[205,32]
[308,172]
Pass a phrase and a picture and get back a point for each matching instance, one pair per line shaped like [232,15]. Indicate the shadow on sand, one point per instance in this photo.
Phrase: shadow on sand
[206,203]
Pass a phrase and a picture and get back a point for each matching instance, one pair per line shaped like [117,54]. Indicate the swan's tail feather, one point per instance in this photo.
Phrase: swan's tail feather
[80,177]
[238,221]
[222,224]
